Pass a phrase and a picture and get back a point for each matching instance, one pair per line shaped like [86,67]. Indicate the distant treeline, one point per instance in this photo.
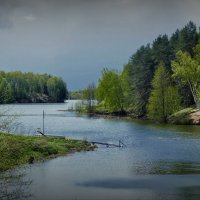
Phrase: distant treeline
[18,87]
[74,95]
[158,79]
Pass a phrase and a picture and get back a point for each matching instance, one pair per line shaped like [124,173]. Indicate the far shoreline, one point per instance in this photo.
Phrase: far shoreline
[187,116]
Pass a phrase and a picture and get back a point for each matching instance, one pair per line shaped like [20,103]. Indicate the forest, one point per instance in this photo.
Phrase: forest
[18,87]
[158,80]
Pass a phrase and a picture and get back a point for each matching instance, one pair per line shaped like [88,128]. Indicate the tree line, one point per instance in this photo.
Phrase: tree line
[18,87]
[158,79]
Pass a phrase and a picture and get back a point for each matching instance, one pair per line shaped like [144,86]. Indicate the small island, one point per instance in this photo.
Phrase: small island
[19,87]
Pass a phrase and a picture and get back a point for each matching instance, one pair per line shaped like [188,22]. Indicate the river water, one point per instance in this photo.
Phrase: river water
[159,162]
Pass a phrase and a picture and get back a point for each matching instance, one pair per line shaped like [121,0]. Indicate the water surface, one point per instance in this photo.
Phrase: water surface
[160,161]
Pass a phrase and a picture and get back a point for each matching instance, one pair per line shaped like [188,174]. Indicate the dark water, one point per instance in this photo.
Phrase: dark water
[160,161]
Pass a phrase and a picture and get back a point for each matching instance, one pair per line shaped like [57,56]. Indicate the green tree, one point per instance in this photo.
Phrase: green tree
[162,51]
[56,89]
[140,69]
[6,94]
[28,87]
[187,70]
[188,38]
[127,89]
[164,99]
[109,91]
[89,95]
[184,39]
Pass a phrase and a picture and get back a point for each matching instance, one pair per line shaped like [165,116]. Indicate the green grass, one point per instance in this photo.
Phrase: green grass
[16,150]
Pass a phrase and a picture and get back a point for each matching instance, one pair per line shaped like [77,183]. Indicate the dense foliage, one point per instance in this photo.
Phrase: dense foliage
[110,90]
[164,99]
[187,69]
[137,88]
[29,87]
[74,95]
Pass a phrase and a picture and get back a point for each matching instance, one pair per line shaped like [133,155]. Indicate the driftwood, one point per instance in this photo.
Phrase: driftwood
[120,145]
[41,133]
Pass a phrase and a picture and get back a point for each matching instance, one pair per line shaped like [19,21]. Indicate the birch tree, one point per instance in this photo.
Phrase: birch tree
[187,70]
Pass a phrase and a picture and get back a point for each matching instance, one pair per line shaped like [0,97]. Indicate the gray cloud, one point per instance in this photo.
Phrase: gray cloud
[75,39]
[7,8]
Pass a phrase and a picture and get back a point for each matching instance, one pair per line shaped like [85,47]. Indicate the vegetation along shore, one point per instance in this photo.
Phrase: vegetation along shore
[16,149]
[18,87]
[158,81]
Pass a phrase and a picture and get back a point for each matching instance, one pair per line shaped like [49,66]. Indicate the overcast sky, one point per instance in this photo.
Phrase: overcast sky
[76,39]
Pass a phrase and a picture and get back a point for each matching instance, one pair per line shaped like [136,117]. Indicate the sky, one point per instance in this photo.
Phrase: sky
[76,39]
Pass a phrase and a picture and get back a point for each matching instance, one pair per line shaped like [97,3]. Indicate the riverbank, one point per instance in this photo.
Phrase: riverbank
[187,116]
[17,150]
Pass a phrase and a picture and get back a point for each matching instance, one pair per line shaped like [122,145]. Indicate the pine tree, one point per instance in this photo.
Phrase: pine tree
[140,68]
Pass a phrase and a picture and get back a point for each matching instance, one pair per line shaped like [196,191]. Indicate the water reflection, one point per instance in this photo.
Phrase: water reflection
[163,187]
[14,185]
[183,130]
[190,193]
[160,161]
[163,168]
[121,183]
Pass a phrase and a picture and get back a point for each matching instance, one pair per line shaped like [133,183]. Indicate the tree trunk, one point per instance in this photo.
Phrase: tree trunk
[194,94]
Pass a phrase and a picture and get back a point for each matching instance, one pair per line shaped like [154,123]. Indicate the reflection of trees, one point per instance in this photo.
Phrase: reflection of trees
[190,193]
[176,168]
[163,167]
[14,185]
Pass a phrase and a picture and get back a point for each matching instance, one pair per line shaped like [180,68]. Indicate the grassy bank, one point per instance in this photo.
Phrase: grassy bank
[16,150]
[187,116]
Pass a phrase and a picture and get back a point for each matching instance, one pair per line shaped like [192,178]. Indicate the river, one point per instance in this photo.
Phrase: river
[159,162]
